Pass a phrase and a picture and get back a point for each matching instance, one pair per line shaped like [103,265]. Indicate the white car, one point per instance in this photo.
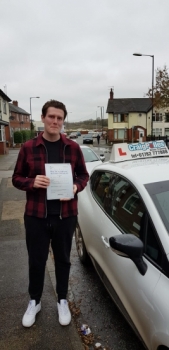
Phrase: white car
[91,158]
[123,226]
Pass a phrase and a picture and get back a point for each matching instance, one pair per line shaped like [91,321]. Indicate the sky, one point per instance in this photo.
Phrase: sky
[75,51]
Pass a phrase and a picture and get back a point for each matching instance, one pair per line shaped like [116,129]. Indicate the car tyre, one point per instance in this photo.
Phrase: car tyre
[80,246]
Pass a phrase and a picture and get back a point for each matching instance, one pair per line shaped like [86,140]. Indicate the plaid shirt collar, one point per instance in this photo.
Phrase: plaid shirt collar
[64,139]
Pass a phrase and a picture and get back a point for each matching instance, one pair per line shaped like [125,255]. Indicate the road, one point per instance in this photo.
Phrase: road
[96,307]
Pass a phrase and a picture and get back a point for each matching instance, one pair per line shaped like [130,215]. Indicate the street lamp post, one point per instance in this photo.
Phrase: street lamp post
[152,95]
[31,110]
[101,116]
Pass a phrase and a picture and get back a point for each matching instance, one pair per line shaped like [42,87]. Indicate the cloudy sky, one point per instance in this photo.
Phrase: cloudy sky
[76,50]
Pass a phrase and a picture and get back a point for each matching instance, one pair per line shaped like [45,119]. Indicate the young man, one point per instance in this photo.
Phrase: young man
[49,221]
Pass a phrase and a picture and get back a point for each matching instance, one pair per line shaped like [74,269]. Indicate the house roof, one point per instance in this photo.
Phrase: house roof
[4,96]
[16,109]
[127,105]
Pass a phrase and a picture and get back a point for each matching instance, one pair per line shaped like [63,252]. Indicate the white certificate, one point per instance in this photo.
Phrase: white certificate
[61,181]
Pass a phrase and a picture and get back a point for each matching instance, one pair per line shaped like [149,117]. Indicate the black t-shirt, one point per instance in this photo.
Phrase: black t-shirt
[53,148]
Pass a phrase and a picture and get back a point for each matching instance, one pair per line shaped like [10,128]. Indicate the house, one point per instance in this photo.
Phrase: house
[4,121]
[161,122]
[19,119]
[129,119]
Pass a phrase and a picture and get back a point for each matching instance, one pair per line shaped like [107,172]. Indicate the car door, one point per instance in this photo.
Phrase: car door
[91,216]
[128,214]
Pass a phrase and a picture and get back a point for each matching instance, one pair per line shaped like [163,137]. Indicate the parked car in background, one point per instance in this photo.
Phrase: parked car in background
[78,133]
[73,135]
[123,226]
[91,158]
[95,133]
[88,138]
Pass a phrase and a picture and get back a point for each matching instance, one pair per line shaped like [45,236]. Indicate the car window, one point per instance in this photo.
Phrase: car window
[127,209]
[88,135]
[152,248]
[159,192]
[100,184]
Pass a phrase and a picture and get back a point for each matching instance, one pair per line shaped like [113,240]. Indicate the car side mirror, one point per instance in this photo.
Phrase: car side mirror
[128,245]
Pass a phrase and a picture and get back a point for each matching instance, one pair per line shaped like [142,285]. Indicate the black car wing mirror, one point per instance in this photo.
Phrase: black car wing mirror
[128,245]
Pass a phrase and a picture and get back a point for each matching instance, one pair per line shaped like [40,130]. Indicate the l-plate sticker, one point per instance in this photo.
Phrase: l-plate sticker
[121,153]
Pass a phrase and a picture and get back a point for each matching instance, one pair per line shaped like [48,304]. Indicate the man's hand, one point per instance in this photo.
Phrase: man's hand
[74,191]
[41,181]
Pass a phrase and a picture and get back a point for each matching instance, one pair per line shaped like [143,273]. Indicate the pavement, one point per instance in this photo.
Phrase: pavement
[46,333]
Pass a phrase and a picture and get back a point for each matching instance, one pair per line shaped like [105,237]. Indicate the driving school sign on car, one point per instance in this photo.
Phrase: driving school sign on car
[124,151]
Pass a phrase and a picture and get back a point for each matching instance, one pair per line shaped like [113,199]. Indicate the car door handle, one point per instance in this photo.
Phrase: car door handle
[105,241]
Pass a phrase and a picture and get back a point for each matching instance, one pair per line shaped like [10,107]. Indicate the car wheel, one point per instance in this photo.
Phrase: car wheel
[80,246]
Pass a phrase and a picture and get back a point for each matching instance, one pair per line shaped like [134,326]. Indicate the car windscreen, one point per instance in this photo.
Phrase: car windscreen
[89,155]
[159,192]
[87,136]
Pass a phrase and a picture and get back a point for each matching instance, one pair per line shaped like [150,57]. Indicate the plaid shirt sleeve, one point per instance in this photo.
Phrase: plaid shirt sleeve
[19,178]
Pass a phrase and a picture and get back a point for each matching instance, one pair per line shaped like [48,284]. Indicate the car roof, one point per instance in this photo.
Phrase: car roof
[140,171]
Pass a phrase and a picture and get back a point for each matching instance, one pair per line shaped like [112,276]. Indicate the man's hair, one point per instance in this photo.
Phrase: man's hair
[55,104]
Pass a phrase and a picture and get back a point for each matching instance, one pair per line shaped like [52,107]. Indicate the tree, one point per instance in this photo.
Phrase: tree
[26,134]
[32,125]
[18,138]
[161,89]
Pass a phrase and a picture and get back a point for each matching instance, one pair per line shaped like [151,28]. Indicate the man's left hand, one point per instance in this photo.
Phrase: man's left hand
[74,191]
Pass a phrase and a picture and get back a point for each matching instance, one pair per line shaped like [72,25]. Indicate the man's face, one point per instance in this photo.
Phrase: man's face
[53,121]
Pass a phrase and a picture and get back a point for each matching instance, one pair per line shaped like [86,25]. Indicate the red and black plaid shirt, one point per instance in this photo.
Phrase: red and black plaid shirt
[31,162]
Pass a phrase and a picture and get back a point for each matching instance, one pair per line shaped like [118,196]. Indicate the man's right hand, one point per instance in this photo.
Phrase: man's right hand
[41,181]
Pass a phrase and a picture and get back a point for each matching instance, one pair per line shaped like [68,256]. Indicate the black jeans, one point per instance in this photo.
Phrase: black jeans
[39,234]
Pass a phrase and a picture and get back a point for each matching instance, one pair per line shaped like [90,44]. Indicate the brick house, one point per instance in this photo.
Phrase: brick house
[19,119]
[129,119]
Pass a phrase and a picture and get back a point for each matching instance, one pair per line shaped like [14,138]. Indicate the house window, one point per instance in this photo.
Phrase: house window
[12,118]
[115,118]
[120,118]
[157,117]
[166,131]
[27,118]
[120,134]
[167,117]
[4,106]
[157,132]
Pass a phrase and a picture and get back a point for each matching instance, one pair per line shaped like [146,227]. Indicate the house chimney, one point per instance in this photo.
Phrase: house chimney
[111,94]
[15,103]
